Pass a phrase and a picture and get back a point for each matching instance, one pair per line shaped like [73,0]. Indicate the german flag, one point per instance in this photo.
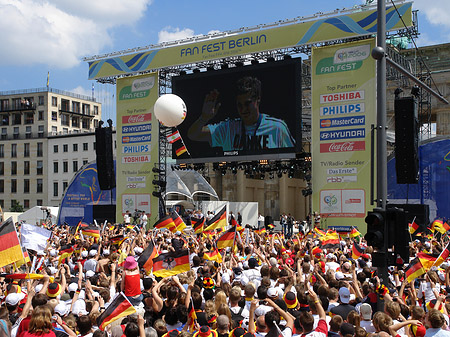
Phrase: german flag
[330,240]
[443,256]
[354,233]
[146,259]
[192,315]
[91,230]
[316,250]
[26,258]
[179,223]
[427,260]
[23,276]
[261,231]
[226,239]
[180,150]
[197,224]
[213,256]
[117,240]
[217,221]
[119,307]
[64,253]
[10,249]
[413,227]
[414,270]
[319,231]
[166,222]
[172,263]
[438,225]
[357,251]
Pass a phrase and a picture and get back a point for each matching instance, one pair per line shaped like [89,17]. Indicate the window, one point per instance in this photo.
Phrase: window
[55,189]
[75,166]
[29,118]
[2,150]
[17,103]
[65,166]
[65,184]
[95,146]
[40,115]
[26,203]
[26,186]
[13,150]
[76,122]
[65,148]
[16,132]
[26,167]
[39,167]
[2,186]
[76,107]
[86,109]
[40,149]
[2,168]
[54,130]
[41,131]
[17,119]
[65,104]
[86,123]
[95,110]
[39,202]
[55,148]
[13,185]
[65,131]
[54,116]
[75,147]
[4,105]
[85,146]
[85,161]
[95,123]
[4,120]
[2,203]
[28,132]
[41,100]
[13,168]
[54,101]
[65,120]
[39,185]
[26,149]
[55,167]
[4,134]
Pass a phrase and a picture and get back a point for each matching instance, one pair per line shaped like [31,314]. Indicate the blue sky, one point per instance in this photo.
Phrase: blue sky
[53,36]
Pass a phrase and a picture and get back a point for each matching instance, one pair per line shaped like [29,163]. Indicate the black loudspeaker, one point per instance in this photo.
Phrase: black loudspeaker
[420,212]
[100,213]
[406,140]
[104,158]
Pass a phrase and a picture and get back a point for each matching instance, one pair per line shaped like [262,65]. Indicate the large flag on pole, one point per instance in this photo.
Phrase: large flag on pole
[414,270]
[91,230]
[119,307]
[179,223]
[197,224]
[217,221]
[10,249]
[443,256]
[227,238]
[146,259]
[166,222]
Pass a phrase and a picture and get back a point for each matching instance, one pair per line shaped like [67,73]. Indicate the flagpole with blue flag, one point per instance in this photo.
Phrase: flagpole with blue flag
[48,79]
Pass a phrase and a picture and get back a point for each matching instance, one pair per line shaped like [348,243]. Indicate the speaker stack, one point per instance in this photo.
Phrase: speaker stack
[104,158]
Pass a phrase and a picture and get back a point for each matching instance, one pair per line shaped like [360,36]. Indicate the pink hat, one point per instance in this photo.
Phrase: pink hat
[130,263]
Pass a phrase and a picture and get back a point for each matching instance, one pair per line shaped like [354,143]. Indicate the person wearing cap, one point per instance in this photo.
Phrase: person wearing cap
[205,331]
[365,312]
[252,273]
[131,281]
[344,307]
[223,326]
[91,263]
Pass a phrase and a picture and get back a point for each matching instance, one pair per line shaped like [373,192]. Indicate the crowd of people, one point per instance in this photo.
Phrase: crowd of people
[265,284]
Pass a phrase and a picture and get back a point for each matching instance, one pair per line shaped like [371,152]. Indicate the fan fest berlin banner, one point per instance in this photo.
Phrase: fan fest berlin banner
[343,110]
[137,145]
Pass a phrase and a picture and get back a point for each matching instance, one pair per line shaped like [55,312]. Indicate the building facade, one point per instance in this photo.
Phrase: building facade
[32,123]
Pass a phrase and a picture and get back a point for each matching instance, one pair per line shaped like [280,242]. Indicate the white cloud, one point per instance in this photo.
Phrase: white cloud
[437,12]
[59,33]
[172,34]
[81,91]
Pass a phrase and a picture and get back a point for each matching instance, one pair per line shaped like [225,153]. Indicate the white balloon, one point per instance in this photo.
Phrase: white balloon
[170,110]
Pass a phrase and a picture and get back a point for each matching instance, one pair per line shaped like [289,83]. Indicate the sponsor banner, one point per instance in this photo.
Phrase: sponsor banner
[359,145]
[136,96]
[244,41]
[137,128]
[343,134]
[342,121]
[136,159]
[136,148]
[343,110]
[134,119]
[341,179]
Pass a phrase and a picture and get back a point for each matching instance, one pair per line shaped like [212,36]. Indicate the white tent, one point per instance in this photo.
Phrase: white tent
[36,215]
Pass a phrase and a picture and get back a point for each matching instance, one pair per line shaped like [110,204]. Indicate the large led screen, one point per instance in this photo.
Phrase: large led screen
[252,111]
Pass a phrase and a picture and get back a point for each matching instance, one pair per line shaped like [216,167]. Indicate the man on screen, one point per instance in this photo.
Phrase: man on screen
[252,131]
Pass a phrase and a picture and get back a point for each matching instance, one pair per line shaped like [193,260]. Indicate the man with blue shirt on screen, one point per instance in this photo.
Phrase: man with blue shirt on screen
[252,131]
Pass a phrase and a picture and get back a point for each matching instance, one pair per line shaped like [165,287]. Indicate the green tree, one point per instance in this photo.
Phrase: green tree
[16,207]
